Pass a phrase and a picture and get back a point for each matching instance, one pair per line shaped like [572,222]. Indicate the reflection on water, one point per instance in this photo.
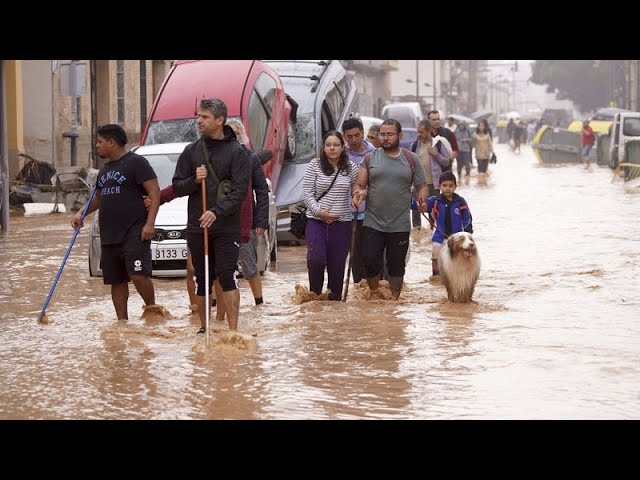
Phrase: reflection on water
[551,334]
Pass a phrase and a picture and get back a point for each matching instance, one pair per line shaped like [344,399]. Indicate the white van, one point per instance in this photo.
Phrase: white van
[626,127]
[409,114]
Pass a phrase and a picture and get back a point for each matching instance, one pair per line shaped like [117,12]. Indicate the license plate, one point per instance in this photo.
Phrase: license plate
[168,253]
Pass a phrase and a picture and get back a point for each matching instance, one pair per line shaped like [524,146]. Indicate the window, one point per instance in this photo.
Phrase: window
[631,127]
[120,90]
[258,121]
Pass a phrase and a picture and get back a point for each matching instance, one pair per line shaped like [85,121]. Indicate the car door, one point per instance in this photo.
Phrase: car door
[615,140]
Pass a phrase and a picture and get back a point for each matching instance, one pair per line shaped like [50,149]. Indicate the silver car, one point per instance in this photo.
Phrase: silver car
[169,247]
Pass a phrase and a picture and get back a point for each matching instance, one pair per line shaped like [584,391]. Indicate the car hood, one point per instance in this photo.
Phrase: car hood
[173,213]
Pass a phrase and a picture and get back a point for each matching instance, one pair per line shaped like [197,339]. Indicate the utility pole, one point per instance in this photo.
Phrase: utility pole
[418,81]
[434,86]
[4,156]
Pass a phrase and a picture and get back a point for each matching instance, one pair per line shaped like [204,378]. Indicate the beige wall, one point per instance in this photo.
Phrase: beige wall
[33,88]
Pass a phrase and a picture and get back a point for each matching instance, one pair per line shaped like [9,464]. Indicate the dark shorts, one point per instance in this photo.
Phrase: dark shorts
[396,245]
[224,249]
[131,257]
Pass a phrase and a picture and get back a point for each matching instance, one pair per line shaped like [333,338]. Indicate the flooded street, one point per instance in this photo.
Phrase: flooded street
[553,332]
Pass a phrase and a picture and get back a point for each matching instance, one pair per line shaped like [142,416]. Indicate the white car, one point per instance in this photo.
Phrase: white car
[169,247]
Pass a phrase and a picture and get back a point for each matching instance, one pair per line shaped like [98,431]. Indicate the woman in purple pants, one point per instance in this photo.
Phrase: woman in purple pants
[327,195]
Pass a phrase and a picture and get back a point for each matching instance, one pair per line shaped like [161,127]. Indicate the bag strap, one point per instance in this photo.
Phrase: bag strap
[206,159]
[327,190]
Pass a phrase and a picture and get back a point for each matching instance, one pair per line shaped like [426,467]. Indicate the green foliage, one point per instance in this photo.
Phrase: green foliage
[584,82]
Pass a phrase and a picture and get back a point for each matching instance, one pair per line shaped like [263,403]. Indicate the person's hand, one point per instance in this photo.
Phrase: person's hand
[207,219]
[358,197]
[76,221]
[327,216]
[148,232]
[259,231]
[432,150]
[422,207]
[201,173]
[147,201]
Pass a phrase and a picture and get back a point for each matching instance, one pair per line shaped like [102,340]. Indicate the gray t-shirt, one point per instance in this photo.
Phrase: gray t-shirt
[389,198]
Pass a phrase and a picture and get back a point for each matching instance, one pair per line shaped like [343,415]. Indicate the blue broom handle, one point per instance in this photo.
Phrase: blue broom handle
[66,255]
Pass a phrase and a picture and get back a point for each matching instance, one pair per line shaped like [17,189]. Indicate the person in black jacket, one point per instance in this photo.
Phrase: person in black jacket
[259,199]
[218,161]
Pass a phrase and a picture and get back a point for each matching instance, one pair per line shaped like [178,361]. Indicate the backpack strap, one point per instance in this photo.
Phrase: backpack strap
[407,153]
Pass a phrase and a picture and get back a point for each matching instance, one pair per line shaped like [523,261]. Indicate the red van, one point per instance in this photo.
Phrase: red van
[252,92]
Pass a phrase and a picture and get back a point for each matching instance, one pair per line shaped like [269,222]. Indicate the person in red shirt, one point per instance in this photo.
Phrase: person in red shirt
[588,139]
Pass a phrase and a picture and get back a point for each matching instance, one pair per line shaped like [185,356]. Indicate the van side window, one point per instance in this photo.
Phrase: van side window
[631,127]
[328,122]
[335,102]
[260,106]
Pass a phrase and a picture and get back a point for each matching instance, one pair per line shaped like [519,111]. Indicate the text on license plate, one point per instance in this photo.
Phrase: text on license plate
[168,253]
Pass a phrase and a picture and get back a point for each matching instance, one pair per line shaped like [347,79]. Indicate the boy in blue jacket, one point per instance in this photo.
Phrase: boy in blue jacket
[450,213]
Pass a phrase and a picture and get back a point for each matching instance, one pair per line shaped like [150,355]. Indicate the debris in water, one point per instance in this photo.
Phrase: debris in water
[303,295]
[154,311]
[45,320]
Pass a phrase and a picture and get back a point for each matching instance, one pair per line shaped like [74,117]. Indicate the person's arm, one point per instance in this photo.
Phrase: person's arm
[240,166]
[466,215]
[261,189]
[359,190]
[184,179]
[454,148]
[76,220]
[153,192]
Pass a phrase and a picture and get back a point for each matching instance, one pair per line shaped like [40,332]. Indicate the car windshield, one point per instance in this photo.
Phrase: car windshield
[164,165]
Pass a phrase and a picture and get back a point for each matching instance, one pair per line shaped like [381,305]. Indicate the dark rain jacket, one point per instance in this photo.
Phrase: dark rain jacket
[230,161]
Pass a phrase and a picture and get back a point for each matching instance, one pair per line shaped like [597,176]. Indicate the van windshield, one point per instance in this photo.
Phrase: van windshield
[174,131]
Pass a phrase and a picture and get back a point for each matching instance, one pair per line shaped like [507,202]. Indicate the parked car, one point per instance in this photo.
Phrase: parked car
[169,247]
[253,93]
[626,128]
[325,96]
[408,114]
[368,121]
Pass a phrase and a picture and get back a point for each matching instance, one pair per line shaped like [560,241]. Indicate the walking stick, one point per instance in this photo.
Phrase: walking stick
[353,239]
[64,260]
[207,305]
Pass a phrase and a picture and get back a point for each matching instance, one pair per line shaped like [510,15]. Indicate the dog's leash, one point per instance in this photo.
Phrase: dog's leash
[433,225]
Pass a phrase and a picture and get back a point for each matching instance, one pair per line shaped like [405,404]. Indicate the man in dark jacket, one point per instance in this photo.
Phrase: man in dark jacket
[214,160]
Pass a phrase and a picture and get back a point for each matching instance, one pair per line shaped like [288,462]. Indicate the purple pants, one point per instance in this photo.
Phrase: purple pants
[327,247]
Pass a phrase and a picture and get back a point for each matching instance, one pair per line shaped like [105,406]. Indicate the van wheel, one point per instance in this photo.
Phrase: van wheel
[290,151]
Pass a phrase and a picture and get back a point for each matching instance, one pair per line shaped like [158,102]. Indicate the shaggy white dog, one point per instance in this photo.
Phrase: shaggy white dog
[459,265]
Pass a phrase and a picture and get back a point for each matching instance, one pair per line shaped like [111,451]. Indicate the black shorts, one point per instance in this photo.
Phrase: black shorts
[375,242]
[131,257]
[224,249]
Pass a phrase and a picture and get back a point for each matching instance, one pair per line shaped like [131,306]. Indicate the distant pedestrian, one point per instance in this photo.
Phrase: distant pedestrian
[588,140]
[372,135]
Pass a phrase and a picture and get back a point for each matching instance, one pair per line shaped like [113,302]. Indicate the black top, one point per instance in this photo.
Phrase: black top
[121,203]
[230,161]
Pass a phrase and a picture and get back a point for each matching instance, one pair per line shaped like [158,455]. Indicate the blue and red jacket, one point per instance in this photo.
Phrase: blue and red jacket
[450,216]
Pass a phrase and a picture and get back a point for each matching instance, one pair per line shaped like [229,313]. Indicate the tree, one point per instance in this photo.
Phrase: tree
[590,84]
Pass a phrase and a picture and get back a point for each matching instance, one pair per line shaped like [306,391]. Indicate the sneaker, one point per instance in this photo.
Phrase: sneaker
[201,330]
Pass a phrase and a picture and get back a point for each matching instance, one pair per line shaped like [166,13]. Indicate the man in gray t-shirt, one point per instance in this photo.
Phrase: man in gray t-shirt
[386,185]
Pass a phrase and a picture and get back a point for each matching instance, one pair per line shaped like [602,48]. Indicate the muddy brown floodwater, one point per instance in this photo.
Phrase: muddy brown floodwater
[553,332]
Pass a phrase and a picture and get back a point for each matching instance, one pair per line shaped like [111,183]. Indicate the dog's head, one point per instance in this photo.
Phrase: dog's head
[462,244]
